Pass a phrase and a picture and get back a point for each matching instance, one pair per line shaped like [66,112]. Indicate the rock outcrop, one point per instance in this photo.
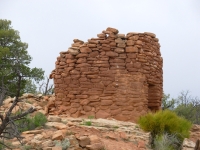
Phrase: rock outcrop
[62,131]
[113,75]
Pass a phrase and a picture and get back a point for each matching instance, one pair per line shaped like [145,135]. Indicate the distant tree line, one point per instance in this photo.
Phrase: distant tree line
[184,105]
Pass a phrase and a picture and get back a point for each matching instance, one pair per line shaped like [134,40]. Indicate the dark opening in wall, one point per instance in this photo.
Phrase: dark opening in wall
[151,98]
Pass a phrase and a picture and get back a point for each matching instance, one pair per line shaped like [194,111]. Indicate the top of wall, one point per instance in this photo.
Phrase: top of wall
[119,43]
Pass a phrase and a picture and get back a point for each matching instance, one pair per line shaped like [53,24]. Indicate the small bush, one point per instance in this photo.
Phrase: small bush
[165,122]
[30,123]
[39,119]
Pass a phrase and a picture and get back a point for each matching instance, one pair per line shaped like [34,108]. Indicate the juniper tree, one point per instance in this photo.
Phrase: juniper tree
[14,73]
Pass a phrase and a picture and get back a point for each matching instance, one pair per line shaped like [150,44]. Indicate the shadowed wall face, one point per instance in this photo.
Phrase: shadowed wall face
[113,75]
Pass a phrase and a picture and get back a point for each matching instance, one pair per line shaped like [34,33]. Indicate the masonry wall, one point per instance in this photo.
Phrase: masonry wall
[112,76]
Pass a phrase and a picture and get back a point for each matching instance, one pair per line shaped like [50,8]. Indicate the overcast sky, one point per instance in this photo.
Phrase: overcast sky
[49,27]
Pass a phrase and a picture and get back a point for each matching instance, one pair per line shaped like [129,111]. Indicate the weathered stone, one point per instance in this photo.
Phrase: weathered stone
[111,54]
[130,42]
[138,42]
[84,101]
[113,30]
[121,35]
[58,135]
[122,45]
[95,146]
[81,60]
[73,110]
[48,143]
[81,96]
[150,34]
[87,108]
[85,50]
[135,37]
[92,45]
[57,125]
[33,132]
[119,50]
[115,111]
[83,141]
[54,119]
[95,143]
[188,145]
[78,41]
[106,102]
[101,35]
[81,55]
[73,51]
[57,148]
[102,114]
[132,49]
[94,54]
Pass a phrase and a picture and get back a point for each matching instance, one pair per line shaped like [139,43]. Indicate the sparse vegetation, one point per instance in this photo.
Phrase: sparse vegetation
[88,122]
[26,147]
[166,142]
[30,123]
[64,143]
[5,144]
[115,127]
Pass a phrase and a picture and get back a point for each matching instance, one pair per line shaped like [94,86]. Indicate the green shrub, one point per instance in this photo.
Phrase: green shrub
[165,122]
[39,119]
[87,123]
[30,123]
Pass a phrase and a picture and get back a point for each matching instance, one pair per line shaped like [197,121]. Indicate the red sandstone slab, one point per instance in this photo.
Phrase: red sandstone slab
[85,50]
[69,56]
[101,65]
[113,30]
[83,65]
[135,37]
[93,41]
[81,55]
[121,45]
[105,48]
[111,54]
[119,50]
[132,49]
[94,54]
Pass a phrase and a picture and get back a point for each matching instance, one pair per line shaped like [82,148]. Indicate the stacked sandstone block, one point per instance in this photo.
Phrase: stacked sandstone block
[113,75]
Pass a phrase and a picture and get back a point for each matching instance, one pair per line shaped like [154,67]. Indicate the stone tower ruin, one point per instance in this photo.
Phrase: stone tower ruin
[112,76]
